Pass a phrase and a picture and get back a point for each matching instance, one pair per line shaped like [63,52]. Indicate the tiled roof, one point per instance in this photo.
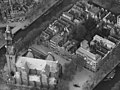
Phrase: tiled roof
[38,64]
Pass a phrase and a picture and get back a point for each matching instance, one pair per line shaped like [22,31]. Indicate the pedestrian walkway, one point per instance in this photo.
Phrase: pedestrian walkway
[79,79]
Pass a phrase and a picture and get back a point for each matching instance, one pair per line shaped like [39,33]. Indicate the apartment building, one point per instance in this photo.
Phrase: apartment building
[93,53]
[68,16]
[106,43]
[44,36]
[92,60]
[55,40]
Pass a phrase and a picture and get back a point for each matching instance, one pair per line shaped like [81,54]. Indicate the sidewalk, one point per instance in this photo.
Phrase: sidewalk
[80,78]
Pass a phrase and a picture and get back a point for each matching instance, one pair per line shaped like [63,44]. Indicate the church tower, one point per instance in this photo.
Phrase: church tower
[10,54]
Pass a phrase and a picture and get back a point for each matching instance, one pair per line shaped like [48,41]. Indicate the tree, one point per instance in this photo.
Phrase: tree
[2,61]
[80,62]
[117,51]
[79,32]
[90,24]
[63,85]
[70,69]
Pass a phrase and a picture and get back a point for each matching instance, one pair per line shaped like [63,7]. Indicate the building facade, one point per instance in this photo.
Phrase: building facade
[92,60]
[36,72]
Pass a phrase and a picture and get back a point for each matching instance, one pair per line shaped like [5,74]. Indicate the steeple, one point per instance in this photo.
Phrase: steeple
[9,50]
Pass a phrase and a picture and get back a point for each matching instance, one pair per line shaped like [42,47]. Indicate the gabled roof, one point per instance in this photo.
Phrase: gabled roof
[115,10]
[38,64]
[30,54]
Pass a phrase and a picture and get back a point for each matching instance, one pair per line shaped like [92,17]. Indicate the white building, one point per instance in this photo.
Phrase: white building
[118,21]
[92,60]
[110,45]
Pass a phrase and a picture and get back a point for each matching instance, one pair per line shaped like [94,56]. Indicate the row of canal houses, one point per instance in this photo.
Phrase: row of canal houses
[56,35]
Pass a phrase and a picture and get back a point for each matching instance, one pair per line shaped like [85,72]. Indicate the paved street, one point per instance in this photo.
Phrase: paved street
[80,78]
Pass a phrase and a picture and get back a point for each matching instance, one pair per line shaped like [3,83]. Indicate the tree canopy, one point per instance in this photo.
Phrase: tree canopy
[79,32]
[63,85]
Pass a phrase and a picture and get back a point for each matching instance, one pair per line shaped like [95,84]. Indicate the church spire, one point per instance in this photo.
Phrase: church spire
[9,50]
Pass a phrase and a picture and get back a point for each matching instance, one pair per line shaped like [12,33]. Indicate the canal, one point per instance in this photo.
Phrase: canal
[107,85]
[54,11]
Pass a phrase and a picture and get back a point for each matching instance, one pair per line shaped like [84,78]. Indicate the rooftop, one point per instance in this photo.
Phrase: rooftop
[38,64]
[94,10]
[94,57]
